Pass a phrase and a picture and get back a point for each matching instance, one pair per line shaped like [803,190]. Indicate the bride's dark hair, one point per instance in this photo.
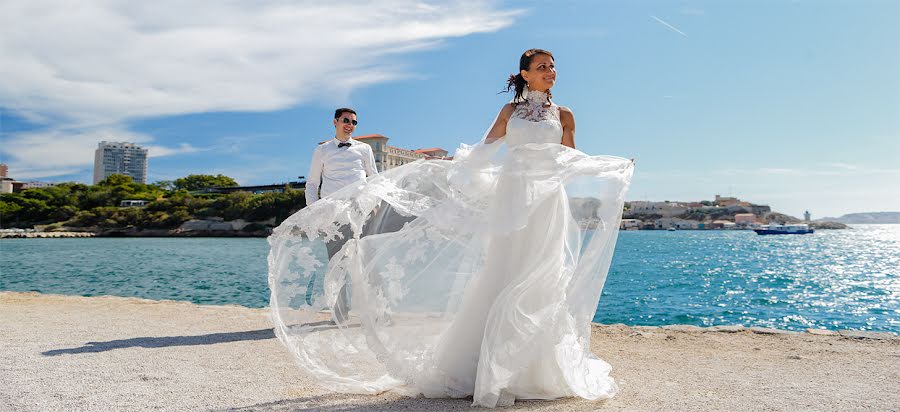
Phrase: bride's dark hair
[516,81]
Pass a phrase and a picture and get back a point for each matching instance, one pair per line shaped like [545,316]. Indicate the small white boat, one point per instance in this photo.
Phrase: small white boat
[788,229]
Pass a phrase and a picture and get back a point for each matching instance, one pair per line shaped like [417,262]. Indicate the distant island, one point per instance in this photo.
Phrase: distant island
[720,213]
[868,217]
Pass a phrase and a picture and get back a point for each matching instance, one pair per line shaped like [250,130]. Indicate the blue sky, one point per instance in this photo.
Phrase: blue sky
[795,104]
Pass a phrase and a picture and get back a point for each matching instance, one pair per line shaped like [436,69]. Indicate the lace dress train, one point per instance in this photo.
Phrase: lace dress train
[472,277]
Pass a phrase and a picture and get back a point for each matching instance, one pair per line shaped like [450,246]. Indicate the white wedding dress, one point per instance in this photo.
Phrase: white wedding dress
[478,276]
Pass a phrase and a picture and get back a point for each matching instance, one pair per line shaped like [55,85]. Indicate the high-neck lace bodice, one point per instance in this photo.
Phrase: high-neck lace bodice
[535,120]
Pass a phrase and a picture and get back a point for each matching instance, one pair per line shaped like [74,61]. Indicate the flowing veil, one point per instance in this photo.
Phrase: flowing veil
[445,274]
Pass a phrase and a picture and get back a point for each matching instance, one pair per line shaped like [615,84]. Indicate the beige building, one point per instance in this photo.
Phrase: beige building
[744,219]
[388,157]
[434,153]
[723,224]
[730,201]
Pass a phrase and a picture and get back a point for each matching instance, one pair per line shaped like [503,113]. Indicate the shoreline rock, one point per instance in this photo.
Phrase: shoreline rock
[36,235]
[827,225]
[191,228]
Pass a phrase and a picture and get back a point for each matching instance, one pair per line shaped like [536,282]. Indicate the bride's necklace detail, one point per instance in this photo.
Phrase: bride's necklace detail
[536,107]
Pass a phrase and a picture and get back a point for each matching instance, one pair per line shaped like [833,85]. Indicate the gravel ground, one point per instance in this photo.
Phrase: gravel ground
[112,353]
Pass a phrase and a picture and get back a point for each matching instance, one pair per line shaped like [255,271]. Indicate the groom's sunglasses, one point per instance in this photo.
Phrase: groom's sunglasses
[346,120]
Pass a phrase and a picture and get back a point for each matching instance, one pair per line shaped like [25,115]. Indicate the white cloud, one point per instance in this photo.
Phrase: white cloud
[105,61]
[83,67]
[65,151]
[23,174]
[160,151]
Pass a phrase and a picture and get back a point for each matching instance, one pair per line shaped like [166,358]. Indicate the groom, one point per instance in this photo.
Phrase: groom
[340,161]
[335,164]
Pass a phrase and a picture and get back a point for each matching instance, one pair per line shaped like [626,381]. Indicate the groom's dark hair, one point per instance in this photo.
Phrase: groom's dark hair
[342,110]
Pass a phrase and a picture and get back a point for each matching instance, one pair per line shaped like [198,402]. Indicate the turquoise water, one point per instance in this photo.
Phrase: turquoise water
[844,279]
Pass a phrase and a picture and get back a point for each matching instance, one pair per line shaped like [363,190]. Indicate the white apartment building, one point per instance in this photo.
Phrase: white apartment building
[120,158]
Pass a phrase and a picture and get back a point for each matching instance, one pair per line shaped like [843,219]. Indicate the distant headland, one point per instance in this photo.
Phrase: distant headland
[869,217]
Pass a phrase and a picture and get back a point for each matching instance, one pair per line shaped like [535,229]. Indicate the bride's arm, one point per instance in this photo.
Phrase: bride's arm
[498,130]
[567,118]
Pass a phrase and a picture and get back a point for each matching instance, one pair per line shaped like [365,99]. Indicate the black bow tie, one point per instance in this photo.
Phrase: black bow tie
[345,144]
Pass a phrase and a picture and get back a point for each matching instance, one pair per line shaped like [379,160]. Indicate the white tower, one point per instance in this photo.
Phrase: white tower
[121,158]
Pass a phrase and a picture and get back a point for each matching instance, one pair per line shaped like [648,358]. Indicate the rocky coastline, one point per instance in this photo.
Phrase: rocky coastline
[191,228]
[43,235]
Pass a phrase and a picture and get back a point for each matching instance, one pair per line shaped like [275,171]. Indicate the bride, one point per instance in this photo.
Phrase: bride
[477,276]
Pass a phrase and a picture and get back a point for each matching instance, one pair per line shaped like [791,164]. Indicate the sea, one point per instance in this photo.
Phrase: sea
[832,279]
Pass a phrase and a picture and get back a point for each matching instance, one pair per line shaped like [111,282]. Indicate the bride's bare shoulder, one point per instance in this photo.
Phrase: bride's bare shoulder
[507,110]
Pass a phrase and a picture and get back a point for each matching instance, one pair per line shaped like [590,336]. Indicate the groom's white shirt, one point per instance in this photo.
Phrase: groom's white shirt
[336,167]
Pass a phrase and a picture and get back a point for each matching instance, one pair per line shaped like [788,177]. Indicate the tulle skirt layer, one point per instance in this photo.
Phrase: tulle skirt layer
[472,277]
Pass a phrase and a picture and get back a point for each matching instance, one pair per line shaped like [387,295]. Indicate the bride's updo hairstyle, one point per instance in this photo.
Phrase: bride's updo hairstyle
[516,81]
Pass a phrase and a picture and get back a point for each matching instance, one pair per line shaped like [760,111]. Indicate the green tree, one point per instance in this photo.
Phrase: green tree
[180,200]
[19,210]
[274,205]
[199,182]
[96,197]
[63,213]
[10,211]
[80,205]
[166,185]
[116,180]
[114,189]
[231,206]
